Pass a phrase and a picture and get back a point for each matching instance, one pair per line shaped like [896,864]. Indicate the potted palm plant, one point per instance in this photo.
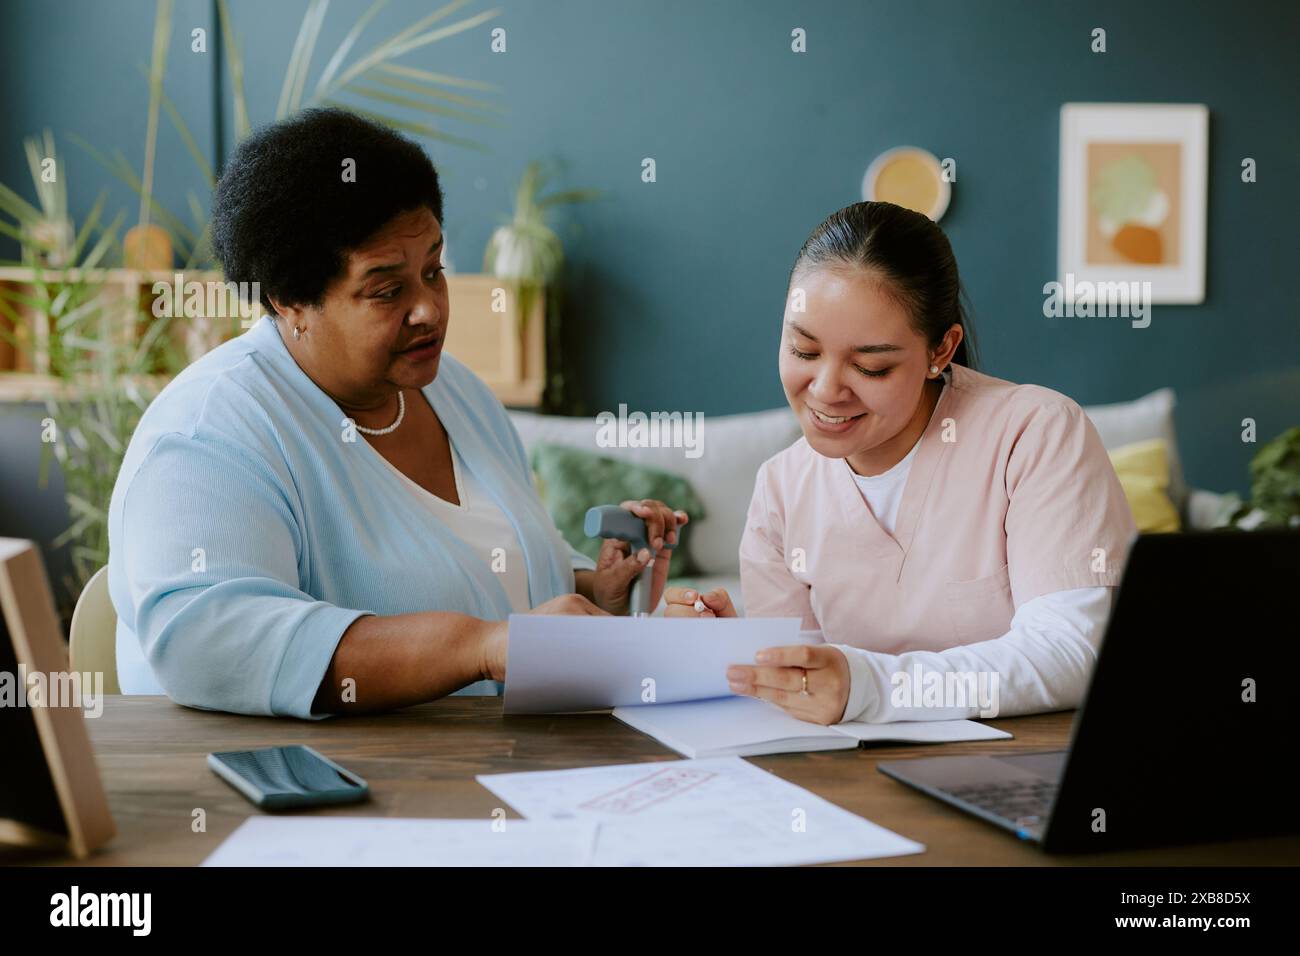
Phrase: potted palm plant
[527,251]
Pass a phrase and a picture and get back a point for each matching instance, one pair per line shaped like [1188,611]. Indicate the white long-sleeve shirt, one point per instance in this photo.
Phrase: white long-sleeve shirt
[1042,663]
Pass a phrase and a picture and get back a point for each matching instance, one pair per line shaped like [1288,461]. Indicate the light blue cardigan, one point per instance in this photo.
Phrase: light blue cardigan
[245,535]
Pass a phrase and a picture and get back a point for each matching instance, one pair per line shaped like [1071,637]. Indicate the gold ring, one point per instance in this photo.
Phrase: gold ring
[803,692]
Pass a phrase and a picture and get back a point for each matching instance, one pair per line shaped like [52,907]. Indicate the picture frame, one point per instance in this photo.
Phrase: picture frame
[1133,196]
[53,798]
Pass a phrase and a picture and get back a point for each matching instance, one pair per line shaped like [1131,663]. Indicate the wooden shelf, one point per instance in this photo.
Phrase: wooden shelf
[33,387]
[485,332]
[513,364]
[27,274]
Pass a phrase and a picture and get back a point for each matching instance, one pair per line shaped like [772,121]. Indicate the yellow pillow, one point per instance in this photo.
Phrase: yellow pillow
[1143,469]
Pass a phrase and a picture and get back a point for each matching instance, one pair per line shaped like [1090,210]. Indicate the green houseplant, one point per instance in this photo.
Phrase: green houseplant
[527,250]
[91,415]
[44,232]
[1274,486]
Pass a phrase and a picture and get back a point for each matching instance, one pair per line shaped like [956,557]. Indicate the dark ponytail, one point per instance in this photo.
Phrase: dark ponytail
[912,256]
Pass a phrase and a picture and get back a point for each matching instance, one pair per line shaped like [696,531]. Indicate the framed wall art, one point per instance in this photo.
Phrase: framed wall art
[1133,197]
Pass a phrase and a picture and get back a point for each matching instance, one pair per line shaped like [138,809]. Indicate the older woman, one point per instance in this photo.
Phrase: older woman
[327,513]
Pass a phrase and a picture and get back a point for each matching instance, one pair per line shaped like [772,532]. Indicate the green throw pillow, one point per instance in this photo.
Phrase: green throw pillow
[570,481]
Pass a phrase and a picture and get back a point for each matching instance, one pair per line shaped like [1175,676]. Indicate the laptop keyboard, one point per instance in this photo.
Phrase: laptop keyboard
[1024,803]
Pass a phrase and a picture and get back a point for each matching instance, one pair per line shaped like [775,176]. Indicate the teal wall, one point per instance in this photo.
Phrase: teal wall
[675,289]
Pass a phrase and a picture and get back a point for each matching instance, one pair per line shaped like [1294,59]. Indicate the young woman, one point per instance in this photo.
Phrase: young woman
[946,531]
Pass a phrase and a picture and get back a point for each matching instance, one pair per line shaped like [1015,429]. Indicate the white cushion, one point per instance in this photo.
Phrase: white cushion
[1151,416]
[1205,508]
[723,475]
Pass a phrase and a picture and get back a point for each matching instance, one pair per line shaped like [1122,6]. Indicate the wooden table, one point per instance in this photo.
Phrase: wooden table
[421,762]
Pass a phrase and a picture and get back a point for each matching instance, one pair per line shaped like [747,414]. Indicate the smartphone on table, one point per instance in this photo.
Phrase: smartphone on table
[281,778]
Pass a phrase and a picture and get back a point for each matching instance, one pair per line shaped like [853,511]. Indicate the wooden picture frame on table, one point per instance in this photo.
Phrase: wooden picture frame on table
[52,797]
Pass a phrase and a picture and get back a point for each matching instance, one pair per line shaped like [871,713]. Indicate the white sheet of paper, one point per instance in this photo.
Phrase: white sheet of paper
[714,812]
[741,726]
[381,841]
[746,727]
[923,731]
[560,663]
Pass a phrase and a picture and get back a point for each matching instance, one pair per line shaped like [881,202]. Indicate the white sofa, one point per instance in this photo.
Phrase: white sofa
[735,445]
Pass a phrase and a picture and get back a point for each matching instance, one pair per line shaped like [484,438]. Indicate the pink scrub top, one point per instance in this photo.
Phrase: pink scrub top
[1011,495]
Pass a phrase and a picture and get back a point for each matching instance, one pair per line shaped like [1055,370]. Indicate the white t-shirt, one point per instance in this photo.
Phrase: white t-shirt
[480,523]
[1063,628]
[884,492]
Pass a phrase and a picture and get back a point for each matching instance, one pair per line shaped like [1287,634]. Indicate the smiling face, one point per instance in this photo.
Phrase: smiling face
[854,368]
[391,295]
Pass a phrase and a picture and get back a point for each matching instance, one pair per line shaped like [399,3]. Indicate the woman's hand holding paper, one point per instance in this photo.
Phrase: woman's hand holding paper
[783,674]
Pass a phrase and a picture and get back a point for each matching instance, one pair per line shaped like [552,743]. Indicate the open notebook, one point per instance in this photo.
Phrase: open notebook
[746,727]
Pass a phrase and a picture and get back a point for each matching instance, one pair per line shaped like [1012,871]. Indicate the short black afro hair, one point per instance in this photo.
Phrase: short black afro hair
[283,216]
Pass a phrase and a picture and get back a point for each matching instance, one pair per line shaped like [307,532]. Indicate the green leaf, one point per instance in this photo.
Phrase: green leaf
[436,79]
[91,306]
[419,129]
[433,36]
[77,528]
[121,169]
[569,196]
[92,220]
[106,242]
[16,206]
[235,63]
[157,68]
[14,233]
[344,48]
[408,40]
[425,90]
[61,300]
[81,342]
[295,75]
[196,209]
[13,340]
[187,137]
[395,100]
[80,506]
[180,234]
[52,196]
[36,303]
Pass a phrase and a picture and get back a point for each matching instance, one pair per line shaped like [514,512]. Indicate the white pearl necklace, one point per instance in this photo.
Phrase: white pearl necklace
[401,413]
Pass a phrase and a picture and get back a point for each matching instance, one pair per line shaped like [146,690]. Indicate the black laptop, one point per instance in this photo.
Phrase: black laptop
[1188,730]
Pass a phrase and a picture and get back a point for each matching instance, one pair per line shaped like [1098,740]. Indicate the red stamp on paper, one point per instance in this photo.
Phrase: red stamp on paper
[656,788]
